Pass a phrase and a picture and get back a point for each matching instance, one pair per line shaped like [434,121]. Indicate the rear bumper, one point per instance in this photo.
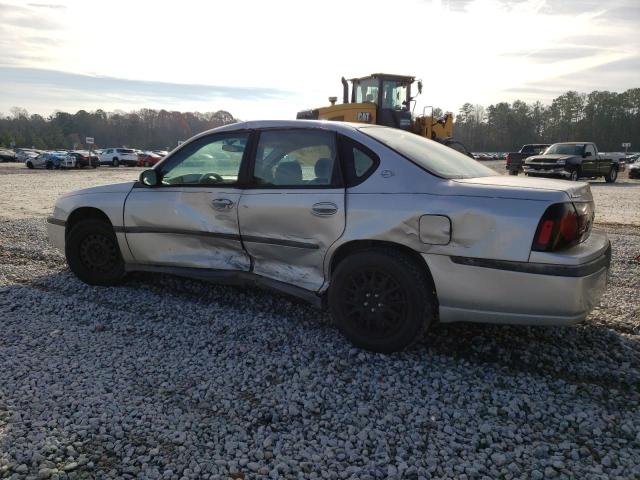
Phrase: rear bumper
[521,293]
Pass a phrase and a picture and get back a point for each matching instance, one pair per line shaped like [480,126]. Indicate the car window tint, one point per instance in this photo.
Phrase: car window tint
[295,158]
[361,162]
[358,162]
[211,160]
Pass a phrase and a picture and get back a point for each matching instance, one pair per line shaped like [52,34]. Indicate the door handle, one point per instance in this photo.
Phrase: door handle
[324,209]
[221,203]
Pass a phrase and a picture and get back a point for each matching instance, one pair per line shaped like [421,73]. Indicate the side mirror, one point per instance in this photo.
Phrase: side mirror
[149,178]
[586,154]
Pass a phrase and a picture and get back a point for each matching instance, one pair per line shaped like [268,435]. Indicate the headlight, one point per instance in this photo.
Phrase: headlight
[560,162]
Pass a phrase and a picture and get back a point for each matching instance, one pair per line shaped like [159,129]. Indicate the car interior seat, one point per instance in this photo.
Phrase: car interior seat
[288,173]
[322,170]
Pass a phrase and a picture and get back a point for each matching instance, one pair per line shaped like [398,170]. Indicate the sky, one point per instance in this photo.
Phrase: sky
[261,59]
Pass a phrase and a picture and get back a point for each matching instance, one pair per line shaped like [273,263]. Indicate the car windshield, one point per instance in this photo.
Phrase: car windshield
[428,154]
[565,149]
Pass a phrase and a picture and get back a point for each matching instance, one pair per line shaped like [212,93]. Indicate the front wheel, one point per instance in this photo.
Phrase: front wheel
[612,176]
[93,254]
[574,176]
[29,165]
[381,300]
[115,162]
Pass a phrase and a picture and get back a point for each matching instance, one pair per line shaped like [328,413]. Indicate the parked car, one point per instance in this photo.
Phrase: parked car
[391,231]
[148,159]
[24,154]
[117,156]
[81,158]
[634,170]
[573,160]
[515,160]
[7,155]
[48,160]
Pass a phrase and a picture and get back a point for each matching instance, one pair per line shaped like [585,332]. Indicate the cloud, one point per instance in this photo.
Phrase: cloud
[42,80]
[53,6]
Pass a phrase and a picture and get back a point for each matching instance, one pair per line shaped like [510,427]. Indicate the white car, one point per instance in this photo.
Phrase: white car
[117,156]
[391,231]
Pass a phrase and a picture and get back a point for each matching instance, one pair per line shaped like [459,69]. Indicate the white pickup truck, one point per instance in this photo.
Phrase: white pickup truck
[117,156]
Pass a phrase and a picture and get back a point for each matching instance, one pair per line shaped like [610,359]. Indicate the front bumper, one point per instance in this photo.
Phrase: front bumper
[555,172]
[520,293]
[56,232]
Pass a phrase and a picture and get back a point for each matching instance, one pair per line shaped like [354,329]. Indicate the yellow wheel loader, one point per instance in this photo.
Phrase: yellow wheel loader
[385,99]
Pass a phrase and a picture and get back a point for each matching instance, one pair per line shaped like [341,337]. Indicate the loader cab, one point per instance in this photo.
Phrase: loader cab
[391,95]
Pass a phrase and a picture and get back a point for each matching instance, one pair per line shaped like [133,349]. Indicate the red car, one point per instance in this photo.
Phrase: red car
[148,159]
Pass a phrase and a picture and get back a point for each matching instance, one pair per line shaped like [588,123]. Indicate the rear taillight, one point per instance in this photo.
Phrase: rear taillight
[563,225]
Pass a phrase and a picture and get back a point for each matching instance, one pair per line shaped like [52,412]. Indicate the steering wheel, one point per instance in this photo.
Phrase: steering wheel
[207,177]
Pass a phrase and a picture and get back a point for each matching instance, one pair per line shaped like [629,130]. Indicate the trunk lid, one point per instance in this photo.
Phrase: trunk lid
[576,191]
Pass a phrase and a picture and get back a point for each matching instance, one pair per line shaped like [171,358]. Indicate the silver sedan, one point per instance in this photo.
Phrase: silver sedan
[390,231]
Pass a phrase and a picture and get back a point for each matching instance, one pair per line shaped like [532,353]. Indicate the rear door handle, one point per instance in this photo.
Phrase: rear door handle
[221,203]
[324,209]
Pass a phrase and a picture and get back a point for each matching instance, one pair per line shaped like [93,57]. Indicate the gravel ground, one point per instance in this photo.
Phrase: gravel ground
[171,378]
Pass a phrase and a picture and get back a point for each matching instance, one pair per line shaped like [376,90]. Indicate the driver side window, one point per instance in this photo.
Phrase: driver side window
[212,160]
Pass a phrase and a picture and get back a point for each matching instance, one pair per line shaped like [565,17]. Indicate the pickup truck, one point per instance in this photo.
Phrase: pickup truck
[515,160]
[572,160]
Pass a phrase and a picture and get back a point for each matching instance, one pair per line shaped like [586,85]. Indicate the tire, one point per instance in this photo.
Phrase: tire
[513,172]
[48,165]
[115,162]
[367,280]
[146,163]
[575,175]
[612,176]
[29,165]
[93,254]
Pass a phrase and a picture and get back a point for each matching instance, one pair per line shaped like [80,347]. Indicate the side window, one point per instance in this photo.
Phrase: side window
[589,148]
[296,158]
[110,151]
[213,160]
[358,161]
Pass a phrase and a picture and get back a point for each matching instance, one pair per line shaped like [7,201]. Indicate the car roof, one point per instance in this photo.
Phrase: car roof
[342,127]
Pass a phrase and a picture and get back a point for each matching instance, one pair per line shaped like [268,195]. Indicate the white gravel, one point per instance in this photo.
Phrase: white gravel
[171,378]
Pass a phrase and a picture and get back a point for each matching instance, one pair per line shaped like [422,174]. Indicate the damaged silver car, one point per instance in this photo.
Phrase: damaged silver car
[390,231]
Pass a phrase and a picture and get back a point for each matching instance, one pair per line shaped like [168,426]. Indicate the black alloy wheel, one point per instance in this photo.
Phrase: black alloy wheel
[575,175]
[381,300]
[93,254]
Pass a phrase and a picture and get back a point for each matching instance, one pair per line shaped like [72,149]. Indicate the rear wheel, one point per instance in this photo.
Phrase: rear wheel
[48,165]
[612,176]
[381,300]
[115,162]
[93,254]
[146,163]
[29,165]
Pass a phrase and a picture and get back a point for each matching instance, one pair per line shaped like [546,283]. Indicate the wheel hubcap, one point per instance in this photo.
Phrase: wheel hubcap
[98,253]
[374,302]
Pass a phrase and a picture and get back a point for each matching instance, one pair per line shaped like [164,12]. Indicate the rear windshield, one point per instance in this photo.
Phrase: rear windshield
[125,150]
[428,154]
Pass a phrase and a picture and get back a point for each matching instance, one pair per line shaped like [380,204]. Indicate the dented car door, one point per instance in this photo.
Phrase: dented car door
[191,219]
[294,207]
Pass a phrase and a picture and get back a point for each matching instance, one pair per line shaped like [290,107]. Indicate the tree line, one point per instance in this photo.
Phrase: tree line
[145,129]
[606,118]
